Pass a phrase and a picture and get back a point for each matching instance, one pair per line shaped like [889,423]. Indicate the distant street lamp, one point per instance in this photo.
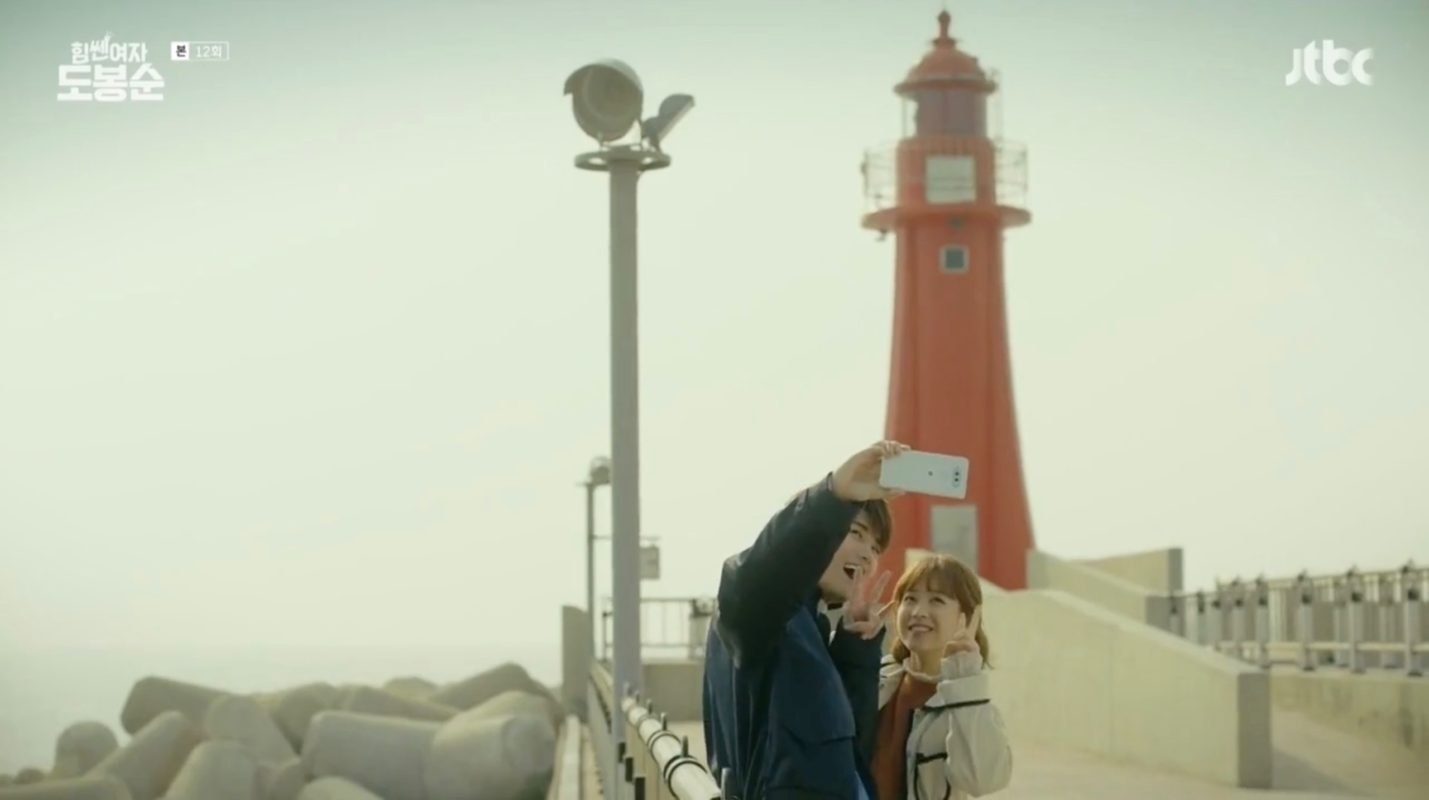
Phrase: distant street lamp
[597,476]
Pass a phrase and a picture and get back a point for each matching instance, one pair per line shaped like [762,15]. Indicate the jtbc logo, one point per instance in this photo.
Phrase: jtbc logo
[1324,58]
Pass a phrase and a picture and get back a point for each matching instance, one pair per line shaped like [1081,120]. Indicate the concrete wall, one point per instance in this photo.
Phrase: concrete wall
[672,685]
[674,688]
[1388,707]
[566,778]
[1158,571]
[1069,672]
[1115,594]
[575,659]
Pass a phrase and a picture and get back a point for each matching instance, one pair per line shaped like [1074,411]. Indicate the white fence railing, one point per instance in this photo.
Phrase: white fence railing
[1354,620]
[654,763]
[672,627]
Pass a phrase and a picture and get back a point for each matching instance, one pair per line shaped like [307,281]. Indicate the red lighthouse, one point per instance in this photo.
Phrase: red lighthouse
[947,191]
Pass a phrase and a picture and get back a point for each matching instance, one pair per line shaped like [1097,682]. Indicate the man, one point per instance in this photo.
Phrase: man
[790,695]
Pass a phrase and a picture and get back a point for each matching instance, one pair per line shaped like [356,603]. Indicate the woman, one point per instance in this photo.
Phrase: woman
[939,736]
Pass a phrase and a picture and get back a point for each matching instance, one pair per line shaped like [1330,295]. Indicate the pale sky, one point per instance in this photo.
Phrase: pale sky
[315,350]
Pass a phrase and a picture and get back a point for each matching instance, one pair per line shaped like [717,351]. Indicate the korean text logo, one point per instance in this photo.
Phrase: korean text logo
[1323,59]
[104,67]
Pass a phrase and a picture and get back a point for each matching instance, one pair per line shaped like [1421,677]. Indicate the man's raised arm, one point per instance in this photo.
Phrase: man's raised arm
[762,587]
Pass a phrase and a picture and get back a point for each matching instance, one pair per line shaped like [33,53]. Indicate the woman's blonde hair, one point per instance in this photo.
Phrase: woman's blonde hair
[945,575]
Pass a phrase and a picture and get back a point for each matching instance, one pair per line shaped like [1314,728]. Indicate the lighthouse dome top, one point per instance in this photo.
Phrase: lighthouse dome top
[945,65]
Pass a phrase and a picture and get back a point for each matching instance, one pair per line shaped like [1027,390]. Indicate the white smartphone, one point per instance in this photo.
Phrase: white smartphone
[926,473]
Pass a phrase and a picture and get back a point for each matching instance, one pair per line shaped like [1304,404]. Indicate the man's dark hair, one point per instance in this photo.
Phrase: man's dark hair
[880,522]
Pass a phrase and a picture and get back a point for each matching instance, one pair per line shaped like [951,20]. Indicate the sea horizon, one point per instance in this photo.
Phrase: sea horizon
[44,689]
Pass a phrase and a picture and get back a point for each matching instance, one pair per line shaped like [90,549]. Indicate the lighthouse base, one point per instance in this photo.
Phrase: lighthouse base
[952,530]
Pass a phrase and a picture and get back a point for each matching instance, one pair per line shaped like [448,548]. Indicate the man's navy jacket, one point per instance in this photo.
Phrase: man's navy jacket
[790,713]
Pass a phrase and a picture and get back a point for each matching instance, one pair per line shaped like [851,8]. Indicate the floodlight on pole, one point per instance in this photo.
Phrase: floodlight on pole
[672,110]
[607,100]
[606,97]
[599,472]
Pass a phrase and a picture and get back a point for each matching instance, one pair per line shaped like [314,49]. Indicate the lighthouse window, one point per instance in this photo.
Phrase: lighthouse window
[950,112]
[950,179]
[954,258]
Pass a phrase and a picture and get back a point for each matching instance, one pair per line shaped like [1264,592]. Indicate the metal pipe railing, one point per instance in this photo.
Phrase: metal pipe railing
[655,763]
[1355,620]
[666,757]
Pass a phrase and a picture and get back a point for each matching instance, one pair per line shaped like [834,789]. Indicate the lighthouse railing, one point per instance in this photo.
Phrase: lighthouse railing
[884,184]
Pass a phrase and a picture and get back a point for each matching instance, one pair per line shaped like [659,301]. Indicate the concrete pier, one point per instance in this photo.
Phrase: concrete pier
[149,762]
[385,754]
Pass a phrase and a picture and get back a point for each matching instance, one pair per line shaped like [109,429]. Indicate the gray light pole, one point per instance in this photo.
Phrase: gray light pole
[624,164]
[607,98]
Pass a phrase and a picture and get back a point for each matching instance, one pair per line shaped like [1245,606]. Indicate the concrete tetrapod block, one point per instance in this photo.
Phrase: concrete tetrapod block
[521,702]
[554,695]
[217,771]
[556,711]
[293,709]
[88,788]
[384,754]
[281,781]
[322,693]
[479,688]
[382,703]
[153,695]
[241,719]
[477,757]
[80,747]
[335,789]
[412,686]
[149,762]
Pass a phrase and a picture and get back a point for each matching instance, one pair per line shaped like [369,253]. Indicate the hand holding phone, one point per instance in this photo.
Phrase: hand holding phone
[926,473]
[857,480]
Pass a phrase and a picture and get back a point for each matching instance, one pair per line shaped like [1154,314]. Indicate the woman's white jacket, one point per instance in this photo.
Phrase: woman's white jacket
[957,745]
